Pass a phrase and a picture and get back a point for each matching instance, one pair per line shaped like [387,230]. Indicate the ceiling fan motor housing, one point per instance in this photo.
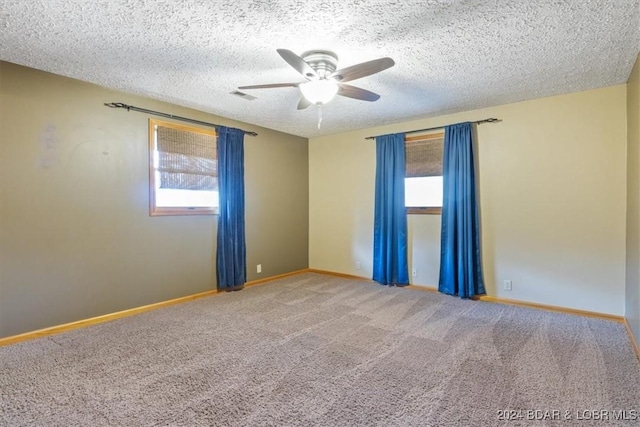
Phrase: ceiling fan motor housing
[323,62]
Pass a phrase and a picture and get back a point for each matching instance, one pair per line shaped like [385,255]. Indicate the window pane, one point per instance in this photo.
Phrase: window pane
[423,191]
[172,198]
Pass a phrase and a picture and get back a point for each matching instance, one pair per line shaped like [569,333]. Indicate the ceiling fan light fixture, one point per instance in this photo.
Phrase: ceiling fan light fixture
[319,91]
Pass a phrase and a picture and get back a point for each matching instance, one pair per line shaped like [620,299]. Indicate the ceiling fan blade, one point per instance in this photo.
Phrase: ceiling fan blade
[357,93]
[304,103]
[269,86]
[298,63]
[362,70]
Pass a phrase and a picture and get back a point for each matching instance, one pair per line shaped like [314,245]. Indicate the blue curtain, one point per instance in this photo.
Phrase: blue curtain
[460,258]
[231,257]
[390,265]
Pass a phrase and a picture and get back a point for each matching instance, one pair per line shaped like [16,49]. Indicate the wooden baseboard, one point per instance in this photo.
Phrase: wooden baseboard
[279,276]
[126,313]
[130,312]
[632,337]
[586,313]
[100,319]
[565,310]
[335,274]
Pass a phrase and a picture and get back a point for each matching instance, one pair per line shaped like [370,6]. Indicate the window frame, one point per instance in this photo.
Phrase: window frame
[424,210]
[173,210]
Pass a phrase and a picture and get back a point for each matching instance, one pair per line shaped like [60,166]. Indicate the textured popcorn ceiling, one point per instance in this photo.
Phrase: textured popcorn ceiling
[450,55]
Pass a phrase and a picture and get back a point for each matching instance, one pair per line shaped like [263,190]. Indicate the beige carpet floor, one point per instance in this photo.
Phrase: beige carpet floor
[315,350]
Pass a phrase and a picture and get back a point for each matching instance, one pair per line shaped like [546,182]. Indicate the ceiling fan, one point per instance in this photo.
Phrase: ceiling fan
[323,80]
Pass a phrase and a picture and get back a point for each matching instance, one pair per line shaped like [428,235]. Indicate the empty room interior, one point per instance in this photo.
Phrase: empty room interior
[513,299]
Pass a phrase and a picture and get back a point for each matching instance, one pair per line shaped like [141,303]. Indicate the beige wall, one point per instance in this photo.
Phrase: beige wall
[552,190]
[76,239]
[632,309]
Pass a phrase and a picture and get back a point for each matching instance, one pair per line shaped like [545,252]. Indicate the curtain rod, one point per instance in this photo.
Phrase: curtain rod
[170,116]
[490,120]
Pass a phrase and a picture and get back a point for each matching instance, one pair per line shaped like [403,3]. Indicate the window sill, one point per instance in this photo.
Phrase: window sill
[424,211]
[182,211]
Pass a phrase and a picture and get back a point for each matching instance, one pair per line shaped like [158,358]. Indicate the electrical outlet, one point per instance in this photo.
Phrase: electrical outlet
[259,268]
[414,272]
[358,266]
[507,285]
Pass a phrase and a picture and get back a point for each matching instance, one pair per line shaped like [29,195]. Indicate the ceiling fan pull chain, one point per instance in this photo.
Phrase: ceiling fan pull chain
[319,115]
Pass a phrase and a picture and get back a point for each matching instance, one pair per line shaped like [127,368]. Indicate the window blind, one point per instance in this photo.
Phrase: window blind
[186,160]
[423,156]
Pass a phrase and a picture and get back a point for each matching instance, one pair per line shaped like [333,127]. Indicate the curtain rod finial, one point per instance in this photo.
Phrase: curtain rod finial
[117,105]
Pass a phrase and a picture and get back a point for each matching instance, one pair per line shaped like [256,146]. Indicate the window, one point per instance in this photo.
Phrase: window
[423,175]
[183,170]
